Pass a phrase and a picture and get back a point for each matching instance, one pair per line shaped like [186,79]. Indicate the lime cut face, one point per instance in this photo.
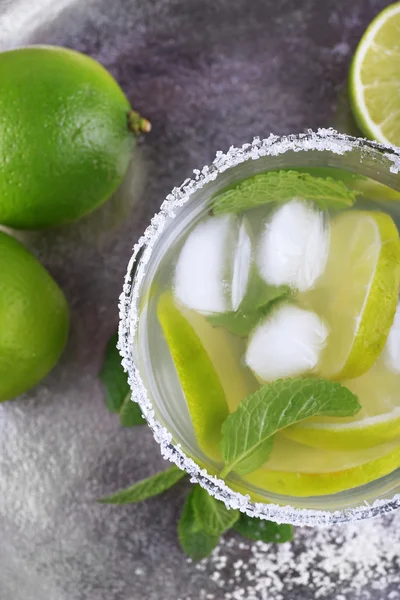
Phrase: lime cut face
[374,82]
[357,294]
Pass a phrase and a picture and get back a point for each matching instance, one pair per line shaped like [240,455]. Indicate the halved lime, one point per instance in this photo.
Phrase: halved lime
[378,422]
[207,361]
[374,83]
[357,294]
[297,470]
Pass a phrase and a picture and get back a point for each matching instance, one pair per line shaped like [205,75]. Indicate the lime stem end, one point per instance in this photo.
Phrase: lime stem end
[137,124]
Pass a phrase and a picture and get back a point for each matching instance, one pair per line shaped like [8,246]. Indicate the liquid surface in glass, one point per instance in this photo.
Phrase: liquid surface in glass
[278,305]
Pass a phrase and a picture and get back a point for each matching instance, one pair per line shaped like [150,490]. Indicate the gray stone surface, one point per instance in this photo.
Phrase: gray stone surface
[208,73]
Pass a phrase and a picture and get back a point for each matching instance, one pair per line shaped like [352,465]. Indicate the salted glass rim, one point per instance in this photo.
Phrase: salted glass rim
[321,140]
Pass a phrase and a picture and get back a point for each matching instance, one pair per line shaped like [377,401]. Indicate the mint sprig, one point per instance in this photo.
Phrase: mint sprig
[247,433]
[280,187]
[116,387]
[146,488]
[260,530]
[204,518]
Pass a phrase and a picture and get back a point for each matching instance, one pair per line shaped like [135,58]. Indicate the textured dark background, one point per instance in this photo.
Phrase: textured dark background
[208,74]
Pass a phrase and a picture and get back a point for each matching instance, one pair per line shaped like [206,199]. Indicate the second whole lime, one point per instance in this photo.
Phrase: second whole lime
[34,320]
[66,136]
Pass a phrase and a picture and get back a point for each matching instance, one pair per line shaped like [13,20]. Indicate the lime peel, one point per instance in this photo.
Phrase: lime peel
[199,380]
[365,433]
[302,484]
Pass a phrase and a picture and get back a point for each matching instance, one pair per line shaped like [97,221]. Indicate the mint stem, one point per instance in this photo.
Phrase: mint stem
[225,471]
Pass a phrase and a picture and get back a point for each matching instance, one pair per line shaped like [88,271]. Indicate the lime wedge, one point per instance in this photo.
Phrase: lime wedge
[208,364]
[297,470]
[374,83]
[378,422]
[357,294]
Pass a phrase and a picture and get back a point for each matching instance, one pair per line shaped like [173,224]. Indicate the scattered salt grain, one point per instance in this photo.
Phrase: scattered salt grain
[345,562]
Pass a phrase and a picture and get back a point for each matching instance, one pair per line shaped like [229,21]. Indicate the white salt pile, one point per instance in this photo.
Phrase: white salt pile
[357,561]
[294,245]
[212,270]
[287,343]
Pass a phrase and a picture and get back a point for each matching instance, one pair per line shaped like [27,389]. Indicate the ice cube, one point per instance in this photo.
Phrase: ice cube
[212,270]
[391,351]
[241,265]
[287,343]
[294,245]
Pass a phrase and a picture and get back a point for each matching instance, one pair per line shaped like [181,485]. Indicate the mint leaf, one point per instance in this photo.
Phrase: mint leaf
[212,514]
[281,186]
[194,539]
[261,294]
[146,488]
[360,184]
[347,177]
[256,305]
[238,323]
[247,433]
[116,387]
[264,531]
[130,413]
[114,378]
[204,519]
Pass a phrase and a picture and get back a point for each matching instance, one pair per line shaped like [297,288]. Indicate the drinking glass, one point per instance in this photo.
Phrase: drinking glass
[147,360]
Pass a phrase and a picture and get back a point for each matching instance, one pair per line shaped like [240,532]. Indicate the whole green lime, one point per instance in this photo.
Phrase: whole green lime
[66,136]
[34,319]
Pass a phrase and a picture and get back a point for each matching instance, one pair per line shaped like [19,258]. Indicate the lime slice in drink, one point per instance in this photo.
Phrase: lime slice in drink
[297,470]
[374,83]
[207,361]
[357,294]
[378,422]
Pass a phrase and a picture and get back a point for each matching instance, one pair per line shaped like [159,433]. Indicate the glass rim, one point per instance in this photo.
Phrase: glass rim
[320,140]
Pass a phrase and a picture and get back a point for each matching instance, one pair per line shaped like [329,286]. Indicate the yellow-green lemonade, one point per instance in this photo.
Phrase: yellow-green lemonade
[270,331]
